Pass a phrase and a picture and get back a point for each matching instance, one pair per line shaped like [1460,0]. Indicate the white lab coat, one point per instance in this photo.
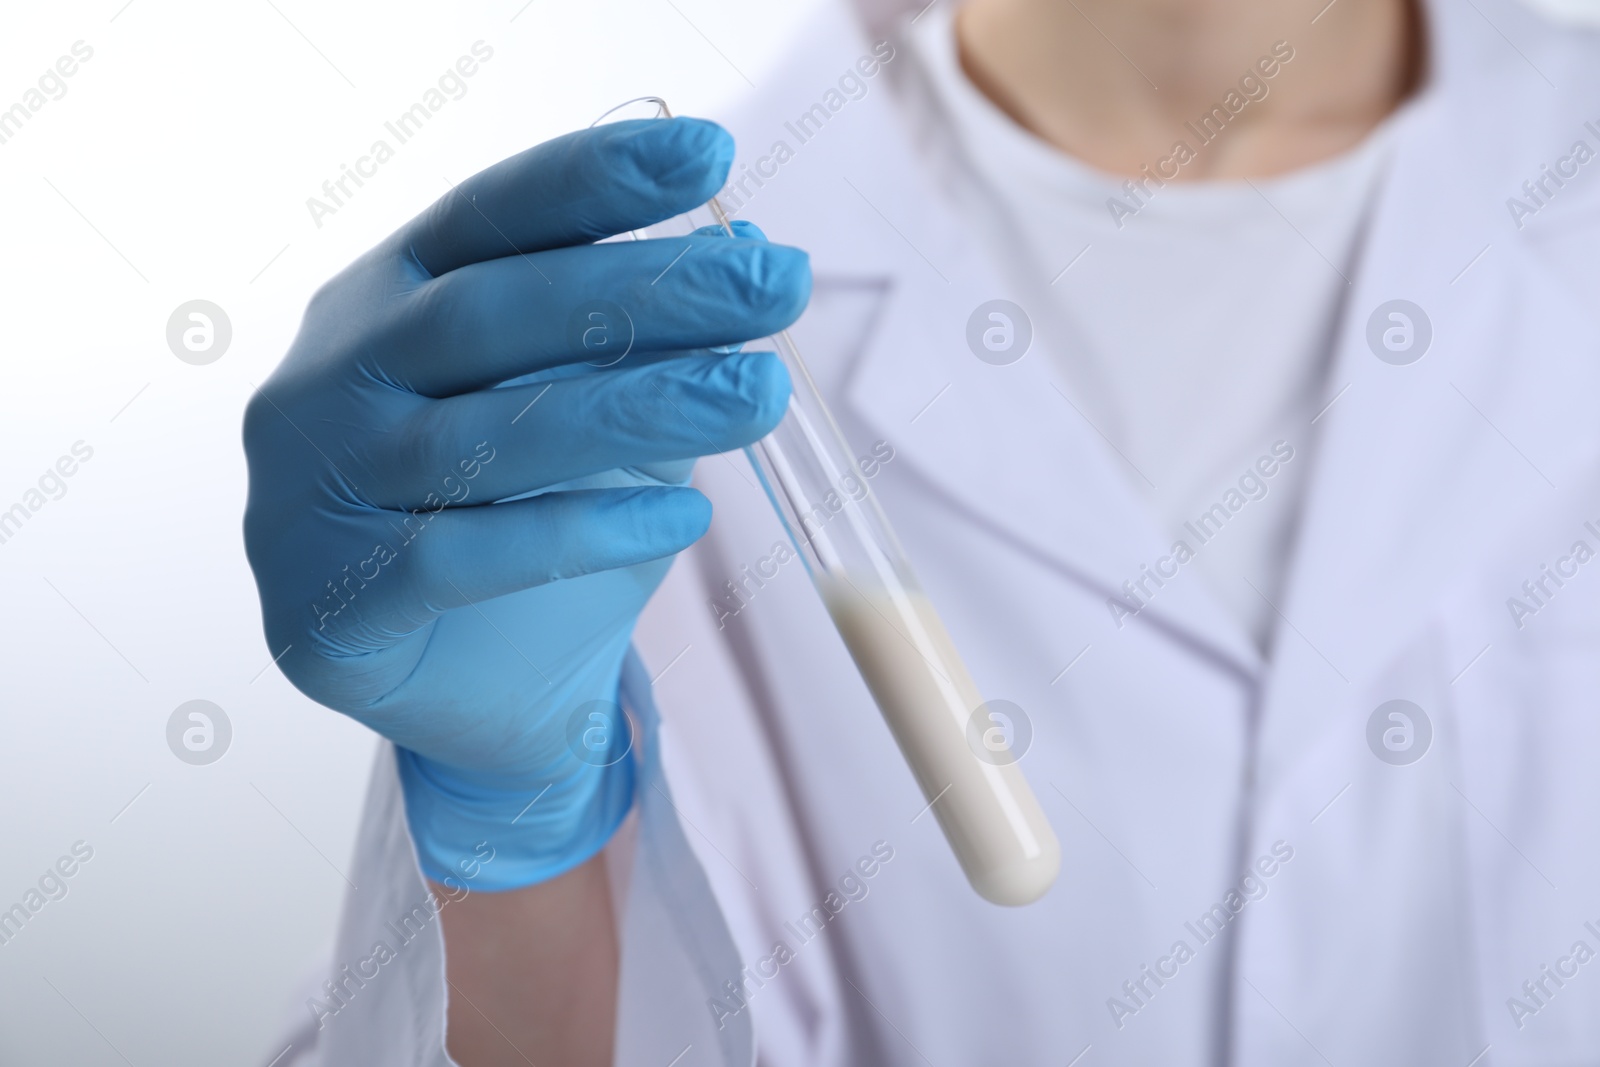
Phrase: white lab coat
[1416,900]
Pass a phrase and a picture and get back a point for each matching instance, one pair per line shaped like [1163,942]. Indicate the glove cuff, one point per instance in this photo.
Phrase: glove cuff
[498,836]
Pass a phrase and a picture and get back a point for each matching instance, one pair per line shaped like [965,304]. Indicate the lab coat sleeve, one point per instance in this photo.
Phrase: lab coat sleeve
[385,997]
[731,788]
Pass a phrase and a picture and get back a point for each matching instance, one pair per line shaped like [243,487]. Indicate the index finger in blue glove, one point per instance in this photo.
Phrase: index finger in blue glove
[571,190]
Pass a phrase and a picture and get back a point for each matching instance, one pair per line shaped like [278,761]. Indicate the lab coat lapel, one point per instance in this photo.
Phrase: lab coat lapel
[1424,468]
[1425,474]
[1003,443]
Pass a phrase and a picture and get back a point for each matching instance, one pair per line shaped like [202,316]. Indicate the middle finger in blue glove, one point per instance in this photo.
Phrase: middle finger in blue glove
[493,321]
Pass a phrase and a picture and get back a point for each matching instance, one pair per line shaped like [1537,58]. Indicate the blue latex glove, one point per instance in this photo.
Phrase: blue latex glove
[454,367]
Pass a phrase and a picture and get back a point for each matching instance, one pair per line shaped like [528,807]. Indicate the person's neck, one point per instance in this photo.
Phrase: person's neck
[1114,82]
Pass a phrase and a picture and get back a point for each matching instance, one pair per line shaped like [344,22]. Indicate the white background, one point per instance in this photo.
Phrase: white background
[177,167]
[190,142]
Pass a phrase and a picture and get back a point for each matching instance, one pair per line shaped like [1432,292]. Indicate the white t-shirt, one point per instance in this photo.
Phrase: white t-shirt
[1194,319]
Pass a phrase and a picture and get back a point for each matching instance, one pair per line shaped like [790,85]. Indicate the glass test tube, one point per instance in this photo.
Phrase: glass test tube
[971,781]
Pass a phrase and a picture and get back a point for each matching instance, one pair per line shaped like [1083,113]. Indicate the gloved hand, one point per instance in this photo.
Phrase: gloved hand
[434,385]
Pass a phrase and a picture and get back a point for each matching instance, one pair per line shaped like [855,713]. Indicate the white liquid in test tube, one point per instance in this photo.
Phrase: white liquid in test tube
[983,803]
[987,811]
[978,793]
